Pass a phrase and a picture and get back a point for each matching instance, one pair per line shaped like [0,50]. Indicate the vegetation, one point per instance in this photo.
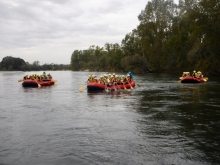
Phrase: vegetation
[17,64]
[170,38]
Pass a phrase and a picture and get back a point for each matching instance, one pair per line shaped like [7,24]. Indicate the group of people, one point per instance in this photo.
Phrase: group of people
[111,79]
[194,74]
[41,77]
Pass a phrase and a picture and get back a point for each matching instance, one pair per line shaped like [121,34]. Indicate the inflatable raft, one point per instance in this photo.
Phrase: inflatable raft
[35,83]
[191,79]
[101,87]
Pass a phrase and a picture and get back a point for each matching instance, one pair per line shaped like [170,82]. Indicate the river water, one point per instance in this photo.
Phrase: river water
[160,122]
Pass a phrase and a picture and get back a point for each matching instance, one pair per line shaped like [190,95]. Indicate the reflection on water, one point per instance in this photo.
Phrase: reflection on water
[193,92]
[160,122]
[187,114]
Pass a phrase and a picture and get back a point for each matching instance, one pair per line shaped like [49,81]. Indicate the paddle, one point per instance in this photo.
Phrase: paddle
[205,78]
[37,84]
[106,88]
[129,84]
[81,88]
[139,85]
[53,80]
[124,86]
[20,80]
[118,86]
[180,79]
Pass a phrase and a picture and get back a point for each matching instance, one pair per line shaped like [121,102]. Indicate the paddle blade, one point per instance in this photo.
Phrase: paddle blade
[54,80]
[205,78]
[138,85]
[20,80]
[81,88]
[39,85]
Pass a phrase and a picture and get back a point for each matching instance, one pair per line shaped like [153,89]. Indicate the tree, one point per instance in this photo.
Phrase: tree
[12,63]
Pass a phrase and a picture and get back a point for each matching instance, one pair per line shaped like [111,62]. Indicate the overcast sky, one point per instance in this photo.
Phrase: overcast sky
[49,31]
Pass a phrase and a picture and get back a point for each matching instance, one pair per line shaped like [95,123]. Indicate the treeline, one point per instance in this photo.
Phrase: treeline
[170,38]
[17,64]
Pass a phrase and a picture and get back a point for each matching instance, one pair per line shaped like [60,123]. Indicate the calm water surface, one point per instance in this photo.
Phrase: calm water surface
[160,122]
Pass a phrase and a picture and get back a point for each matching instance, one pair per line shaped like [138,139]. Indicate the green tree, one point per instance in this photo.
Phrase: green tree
[12,63]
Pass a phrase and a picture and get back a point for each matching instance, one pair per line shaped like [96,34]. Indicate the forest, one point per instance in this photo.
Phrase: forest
[170,38]
[10,63]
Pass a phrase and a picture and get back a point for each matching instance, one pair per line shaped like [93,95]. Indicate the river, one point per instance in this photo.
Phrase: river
[159,122]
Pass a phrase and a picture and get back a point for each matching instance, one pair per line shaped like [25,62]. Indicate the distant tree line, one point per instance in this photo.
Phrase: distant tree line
[10,63]
[170,38]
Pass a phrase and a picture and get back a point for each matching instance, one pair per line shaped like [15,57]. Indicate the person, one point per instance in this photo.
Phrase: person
[44,74]
[130,74]
[123,79]
[184,74]
[115,79]
[194,74]
[128,78]
[200,75]
[101,80]
[94,80]
[49,76]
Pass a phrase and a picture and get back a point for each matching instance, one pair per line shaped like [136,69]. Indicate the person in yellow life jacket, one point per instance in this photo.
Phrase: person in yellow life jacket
[44,75]
[200,75]
[111,80]
[89,78]
[38,78]
[113,74]
[41,78]
[123,79]
[109,77]
[115,79]
[101,80]
[104,79]
[94,80]
[194,74]
[184,74]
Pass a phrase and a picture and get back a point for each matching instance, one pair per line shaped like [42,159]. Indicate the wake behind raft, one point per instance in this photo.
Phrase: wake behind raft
[110,82]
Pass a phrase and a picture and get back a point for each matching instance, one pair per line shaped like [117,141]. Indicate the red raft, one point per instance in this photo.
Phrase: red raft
[35,83]
[191,79]
[101,87]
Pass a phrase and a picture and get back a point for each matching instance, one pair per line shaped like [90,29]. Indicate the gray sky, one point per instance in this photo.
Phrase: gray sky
[49,31]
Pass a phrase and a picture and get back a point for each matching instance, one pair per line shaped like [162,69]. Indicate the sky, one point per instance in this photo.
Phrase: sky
[49,31]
